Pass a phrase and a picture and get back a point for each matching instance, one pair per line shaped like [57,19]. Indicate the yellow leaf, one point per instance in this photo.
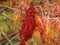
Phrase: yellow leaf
[47,32]
[28,1]
[36,34]
[16,17]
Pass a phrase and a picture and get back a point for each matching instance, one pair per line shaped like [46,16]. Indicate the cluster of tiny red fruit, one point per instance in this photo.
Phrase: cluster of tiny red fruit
[28,25]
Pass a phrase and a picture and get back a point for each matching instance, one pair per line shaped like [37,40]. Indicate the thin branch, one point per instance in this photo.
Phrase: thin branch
[41,22]
[12,38]
[41,10]
[2,9]
[14,9]
[1,5]
[0,37]
[11,35]
[34,42]
[7,16]
[6,37]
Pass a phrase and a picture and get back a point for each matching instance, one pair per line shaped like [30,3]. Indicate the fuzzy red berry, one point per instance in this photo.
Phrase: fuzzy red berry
[28,25]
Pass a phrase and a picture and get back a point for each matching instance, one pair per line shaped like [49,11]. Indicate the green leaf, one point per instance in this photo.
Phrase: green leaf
[8,14]
[31,42]
[12,28]
[4,27]
[18,25]
[36,2]
[52,30]
[15,41]
[2,17]
[4,42]
[7,2]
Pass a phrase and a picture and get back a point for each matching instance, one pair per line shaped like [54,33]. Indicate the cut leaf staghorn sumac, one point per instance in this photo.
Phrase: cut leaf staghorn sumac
[28,25]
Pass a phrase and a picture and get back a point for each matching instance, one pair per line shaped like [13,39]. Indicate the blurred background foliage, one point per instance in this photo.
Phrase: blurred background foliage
[11,15]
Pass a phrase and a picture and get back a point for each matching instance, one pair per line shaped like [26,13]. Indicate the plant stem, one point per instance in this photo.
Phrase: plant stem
[6,37]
